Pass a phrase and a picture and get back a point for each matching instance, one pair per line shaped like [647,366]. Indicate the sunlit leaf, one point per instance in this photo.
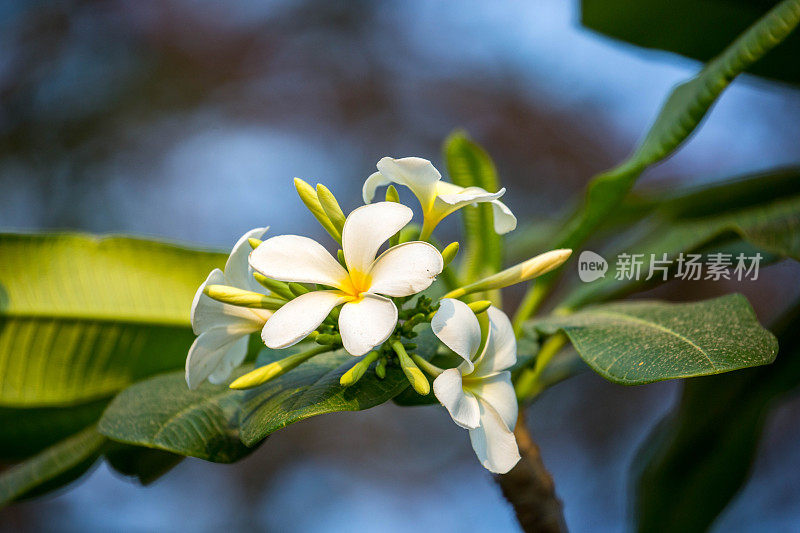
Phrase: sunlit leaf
[645,341]
[83,317]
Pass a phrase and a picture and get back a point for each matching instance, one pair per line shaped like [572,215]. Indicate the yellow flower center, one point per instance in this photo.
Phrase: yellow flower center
[356,284]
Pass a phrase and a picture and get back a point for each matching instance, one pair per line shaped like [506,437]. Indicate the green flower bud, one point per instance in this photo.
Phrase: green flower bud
[278,288]
[358,370]
[331,207]
[532,268]
[297,289]
[242,298]
[265,373]
[254,242]
[309,197]
[449,253]
[414,375]
[480,306]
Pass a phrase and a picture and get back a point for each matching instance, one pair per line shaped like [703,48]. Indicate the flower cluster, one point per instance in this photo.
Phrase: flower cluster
[292,290]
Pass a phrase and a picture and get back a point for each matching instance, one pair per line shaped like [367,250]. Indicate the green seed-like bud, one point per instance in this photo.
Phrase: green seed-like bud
[409,233]
[279,289]
[449,253]
[297,289]
[309,197]
[380,368]
[331,207]
[329,338]
[480,306]
[242,298]
[414,375]
[392,195]
[340,257]
[358,370]
[532,268]
[265,373]
[254,242]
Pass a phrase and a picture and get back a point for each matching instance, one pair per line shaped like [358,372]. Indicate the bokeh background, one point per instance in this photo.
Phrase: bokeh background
[187,119]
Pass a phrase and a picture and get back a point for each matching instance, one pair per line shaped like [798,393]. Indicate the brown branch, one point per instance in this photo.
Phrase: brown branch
[530,489]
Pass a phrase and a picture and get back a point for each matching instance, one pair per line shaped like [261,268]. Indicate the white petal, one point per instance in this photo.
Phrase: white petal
[500,351]
[367,323]
[296,319]
[296,258]
[498,392]
[237,271]
[231,360]
[366,228]
[462,406]
[493,442]
[406,269]
[457,327]
[371,185]
[504,219]
[457,197]
[416,173]
[211,350]
[208,313]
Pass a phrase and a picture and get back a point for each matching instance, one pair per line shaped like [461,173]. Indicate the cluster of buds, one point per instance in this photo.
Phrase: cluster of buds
[291,289]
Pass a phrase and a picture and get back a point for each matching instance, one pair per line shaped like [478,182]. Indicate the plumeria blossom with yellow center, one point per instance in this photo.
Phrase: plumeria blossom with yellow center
[478,393]
[223,329]
[438,198]
[368,317]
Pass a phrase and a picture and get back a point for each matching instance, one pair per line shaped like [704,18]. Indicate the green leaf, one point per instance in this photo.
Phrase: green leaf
[82,317]
[161,412]
[56,466]
[213,421]
[686,224]
[682,112]
[645,341]
[698,29]
[700,455]
[144,464]
[468,165]
[29,431]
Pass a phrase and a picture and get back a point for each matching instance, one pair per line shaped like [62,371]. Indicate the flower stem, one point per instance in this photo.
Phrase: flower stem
[529,378]
[412,372]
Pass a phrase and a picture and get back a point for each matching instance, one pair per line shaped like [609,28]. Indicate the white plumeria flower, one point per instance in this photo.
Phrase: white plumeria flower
[223,329]
[437,198]
[478,393]
[366,319]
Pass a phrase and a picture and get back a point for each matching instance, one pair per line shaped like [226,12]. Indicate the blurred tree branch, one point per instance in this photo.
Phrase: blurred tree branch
[530,489]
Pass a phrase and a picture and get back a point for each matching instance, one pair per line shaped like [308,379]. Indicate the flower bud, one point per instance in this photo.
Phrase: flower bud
[309,197]
[254,242]
[329,338]
[414,375]
[331,207]
[480,306]
[449,253]
[392,195]
[242,298]
[297,289]
[380,368]
[262,374]
[532,268]
[277,288]
[358,370]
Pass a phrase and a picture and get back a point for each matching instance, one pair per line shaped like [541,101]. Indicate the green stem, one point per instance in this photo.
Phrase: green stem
[533,299]
[529,378]
[427,367]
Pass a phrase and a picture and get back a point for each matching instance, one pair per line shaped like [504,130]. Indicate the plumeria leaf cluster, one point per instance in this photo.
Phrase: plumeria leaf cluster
[109,350]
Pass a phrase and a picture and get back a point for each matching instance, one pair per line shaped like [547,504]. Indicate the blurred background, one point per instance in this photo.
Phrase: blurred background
[187,119]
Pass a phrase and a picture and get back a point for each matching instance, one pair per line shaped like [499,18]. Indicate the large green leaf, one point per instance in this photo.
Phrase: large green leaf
[698,29]
[468,165]
[82,317]
[53,467]
[700,455]
[683,110]
[29,431]
[213,421]
[641,342]
[763,211]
